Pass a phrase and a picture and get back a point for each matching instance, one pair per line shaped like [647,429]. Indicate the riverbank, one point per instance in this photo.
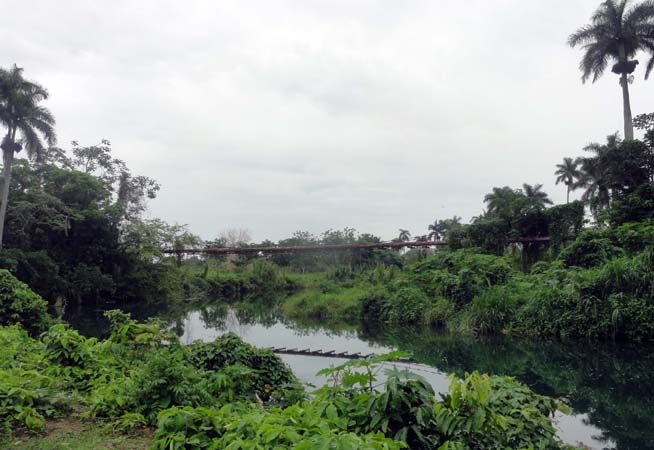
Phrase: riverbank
[603,297]
[141,380]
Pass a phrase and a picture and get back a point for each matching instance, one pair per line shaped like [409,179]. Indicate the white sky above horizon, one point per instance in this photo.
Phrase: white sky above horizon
[288,115]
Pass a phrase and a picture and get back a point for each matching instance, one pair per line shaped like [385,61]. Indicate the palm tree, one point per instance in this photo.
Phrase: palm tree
[479,218]
[404,235]
[435,231]
[535,194]
[500,200]
[567,173]
[596,193]
[24,119]
[616,34]
[440,228]
[593,177]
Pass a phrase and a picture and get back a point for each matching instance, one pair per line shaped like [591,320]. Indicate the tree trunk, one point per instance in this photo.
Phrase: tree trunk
[626,104]
[628,125]
[8,159]
[567,199]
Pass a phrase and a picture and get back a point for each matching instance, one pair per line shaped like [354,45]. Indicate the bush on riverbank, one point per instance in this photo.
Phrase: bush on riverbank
[327,303]
[131,376]
[19,304]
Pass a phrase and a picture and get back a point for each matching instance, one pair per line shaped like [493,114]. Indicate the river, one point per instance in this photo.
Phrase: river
[608,386]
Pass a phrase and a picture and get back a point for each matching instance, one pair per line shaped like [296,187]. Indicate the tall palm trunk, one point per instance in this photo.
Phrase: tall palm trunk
[628,124]
[626,104]
[8,160]
[567,199]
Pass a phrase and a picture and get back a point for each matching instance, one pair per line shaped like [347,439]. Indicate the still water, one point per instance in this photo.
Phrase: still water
[609,387]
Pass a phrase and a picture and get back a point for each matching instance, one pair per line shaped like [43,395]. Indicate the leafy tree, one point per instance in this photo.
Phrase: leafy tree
[567,173]
[614,171]
[69,236]
[439,229]
[645,122]
[128,191]
[536,195]
[500,202]
[617,32]
[404,235]
[25,119]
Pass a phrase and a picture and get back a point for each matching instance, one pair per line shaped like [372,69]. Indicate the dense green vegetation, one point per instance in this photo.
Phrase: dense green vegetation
[600,286]
[228,394]
[73,233]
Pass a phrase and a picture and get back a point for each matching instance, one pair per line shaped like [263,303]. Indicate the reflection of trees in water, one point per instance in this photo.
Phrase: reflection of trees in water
[213,316]
[308,327]
[89,320]
[230,317]
[612,384]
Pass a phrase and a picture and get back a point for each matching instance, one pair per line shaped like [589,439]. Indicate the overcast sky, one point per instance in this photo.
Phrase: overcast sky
[280,116]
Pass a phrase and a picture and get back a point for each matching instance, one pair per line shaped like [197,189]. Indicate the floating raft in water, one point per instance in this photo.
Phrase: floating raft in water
[331,354]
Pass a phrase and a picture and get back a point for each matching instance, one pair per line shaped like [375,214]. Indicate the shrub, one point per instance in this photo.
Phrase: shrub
[304,426]
[406,304]
[636,236]
[485,412]
[590,249]
[67,347]
[272,376]
[19,304]
[167,378]
[373,303]
[461,275]
[261,278]
[478,411]
[27,393]
[132,336]
[337,304]
[440,313]
[26,398]
[492,310]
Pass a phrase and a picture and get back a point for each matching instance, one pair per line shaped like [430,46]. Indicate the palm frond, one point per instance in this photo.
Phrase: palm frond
[31,140]
[45,128]
[584,35]
[639,13]
[595,61]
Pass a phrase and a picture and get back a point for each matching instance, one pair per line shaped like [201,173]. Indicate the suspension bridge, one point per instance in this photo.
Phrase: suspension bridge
[326,247]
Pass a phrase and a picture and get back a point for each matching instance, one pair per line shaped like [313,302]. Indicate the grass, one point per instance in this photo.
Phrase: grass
[73,434]
[339,304]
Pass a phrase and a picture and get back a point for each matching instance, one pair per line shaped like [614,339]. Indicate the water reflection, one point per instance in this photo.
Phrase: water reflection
[609,387]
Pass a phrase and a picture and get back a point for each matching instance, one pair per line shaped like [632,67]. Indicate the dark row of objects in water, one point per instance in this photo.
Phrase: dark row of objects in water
[331,354]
